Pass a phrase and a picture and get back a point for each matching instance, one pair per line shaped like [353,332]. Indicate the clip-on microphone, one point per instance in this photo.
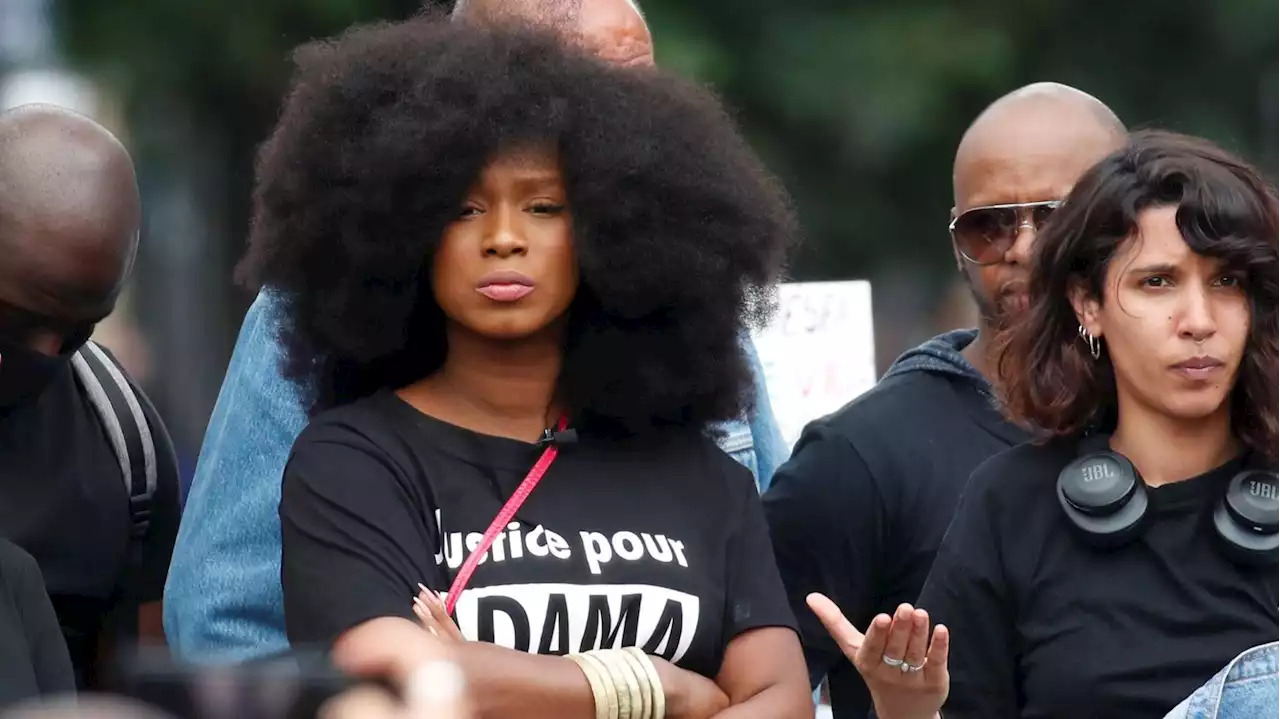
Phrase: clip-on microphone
[558,436]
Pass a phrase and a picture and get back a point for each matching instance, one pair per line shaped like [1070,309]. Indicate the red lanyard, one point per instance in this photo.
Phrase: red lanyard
[504,516]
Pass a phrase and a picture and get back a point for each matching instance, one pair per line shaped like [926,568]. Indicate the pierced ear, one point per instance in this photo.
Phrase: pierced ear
[1086,309]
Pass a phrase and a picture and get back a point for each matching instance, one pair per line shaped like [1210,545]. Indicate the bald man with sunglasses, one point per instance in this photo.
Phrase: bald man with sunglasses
[860,509]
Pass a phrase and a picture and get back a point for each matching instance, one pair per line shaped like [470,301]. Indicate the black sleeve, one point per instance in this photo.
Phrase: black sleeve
[354,542]
[754,594]
[166,510]
[49,656]
[967,591]
[826,516]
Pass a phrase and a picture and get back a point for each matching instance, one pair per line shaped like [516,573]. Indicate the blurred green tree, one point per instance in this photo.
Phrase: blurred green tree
[219,66]
[857,105]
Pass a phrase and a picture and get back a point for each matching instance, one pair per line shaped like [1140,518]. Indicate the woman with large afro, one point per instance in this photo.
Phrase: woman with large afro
[497,252]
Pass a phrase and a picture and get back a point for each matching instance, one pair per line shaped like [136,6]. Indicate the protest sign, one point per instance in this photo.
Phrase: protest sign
[818,352]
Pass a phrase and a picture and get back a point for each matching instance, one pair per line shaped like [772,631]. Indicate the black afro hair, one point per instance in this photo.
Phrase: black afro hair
[680,231]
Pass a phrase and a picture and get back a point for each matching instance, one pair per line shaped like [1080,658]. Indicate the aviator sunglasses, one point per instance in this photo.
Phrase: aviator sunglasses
[984,234]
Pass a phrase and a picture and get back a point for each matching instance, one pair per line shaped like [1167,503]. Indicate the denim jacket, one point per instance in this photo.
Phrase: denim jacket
[222,600]
[1247,688]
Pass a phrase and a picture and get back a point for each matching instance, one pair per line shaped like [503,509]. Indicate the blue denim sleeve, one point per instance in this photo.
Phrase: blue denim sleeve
[1245,688]
[770,447]
[222,600]
[756,442]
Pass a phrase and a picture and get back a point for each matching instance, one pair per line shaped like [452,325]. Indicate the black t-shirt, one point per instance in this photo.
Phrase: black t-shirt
[1043,625]
[33,656]
[659,545]
[63,500]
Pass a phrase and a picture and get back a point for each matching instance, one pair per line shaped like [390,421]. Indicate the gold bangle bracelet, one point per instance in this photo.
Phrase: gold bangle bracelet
[618,675]
[644,692]
[611,687]
[612,700]
[629,691]
[629,688]
[599,687]
[658,693]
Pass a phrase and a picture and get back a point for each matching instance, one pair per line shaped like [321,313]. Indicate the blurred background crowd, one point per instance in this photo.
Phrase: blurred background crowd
[857,106]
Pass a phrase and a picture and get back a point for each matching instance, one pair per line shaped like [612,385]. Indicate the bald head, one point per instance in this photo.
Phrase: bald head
[69,214]
[1030,146]
[1036,140]
[615,30]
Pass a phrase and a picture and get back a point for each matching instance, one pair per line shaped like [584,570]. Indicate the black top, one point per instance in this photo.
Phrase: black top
[1044,625]
[656,545]
[63,499]
[33,656]
[860,509]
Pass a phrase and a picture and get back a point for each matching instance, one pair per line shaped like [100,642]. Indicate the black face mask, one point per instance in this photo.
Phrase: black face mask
[24,372]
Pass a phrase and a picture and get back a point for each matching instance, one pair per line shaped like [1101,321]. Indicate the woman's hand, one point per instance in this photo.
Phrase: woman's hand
[689,695]
[429,609]
[905,672]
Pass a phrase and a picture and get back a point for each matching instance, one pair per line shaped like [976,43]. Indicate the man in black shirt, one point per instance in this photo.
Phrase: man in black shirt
[88,479]
[859,511]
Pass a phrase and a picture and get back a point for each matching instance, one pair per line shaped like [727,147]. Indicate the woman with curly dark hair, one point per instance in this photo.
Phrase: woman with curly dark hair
[509,264]
[1113,566]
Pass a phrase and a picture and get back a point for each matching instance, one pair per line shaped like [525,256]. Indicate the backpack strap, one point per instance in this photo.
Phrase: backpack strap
[127,429]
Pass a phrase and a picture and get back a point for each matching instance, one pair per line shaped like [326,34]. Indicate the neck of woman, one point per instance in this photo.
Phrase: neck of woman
[498,387]
[1166,449]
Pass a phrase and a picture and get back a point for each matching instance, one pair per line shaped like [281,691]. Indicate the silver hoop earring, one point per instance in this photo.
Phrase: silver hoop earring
[1095,344]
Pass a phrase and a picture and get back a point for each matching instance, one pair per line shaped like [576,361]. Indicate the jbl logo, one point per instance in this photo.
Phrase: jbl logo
[1095,472]
[1265,490]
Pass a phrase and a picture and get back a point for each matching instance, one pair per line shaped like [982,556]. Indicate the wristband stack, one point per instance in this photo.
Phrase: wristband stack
[624,683]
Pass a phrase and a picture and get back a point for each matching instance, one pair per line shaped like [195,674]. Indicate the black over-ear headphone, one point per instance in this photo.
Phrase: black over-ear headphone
[1105,498]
